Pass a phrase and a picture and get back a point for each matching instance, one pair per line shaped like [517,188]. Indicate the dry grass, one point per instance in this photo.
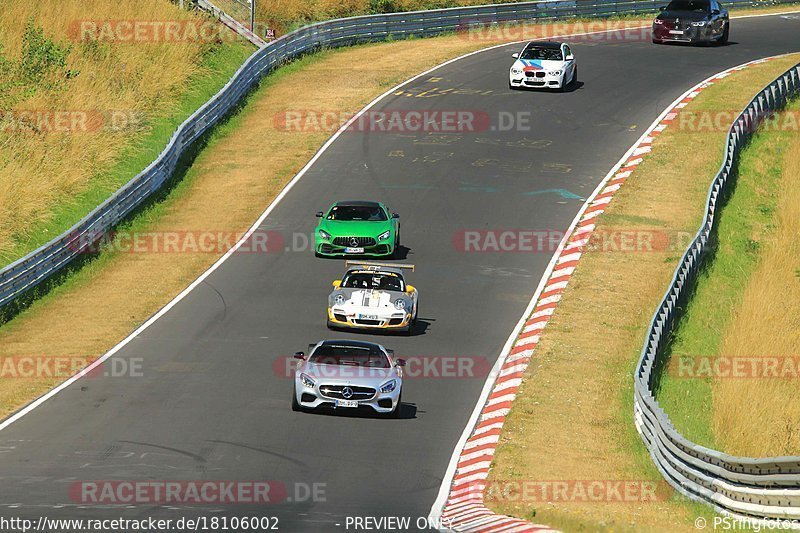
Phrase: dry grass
[573,418]
[41,170]
[761,417]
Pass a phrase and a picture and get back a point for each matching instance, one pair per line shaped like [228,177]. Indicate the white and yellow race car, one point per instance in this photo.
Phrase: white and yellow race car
[373,296]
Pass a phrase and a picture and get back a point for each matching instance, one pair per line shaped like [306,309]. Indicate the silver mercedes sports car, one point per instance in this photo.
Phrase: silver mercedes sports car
[345,374]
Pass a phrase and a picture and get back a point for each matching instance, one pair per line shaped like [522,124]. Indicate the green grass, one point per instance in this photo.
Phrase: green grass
[217,66]
[744,220]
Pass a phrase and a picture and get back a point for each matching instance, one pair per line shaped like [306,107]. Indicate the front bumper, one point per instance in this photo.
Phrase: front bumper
[545,82]
[332,250]
[351,318]
[691,34]
[314,398]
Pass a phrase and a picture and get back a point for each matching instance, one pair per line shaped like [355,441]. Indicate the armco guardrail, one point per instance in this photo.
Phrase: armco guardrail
[26,273]
[742,486]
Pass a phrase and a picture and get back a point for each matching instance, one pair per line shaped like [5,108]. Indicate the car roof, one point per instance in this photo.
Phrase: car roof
[553,45]
[359,203]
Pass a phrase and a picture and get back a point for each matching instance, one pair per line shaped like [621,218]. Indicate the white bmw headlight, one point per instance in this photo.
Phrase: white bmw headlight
[389,386]
[385,235]
[324,234]
[699,23]
[400,304]
[307,381]
[516,71]
[658,22]
[555,73]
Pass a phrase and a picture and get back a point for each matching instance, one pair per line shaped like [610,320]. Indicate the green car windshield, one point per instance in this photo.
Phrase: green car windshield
[362,213]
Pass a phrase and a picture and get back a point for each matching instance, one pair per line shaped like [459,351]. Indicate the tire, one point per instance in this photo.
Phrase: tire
[295,405]
[573,84]
[398,409]
[657,41]
[725,34]
[511,87]
[330,325]
[396,250]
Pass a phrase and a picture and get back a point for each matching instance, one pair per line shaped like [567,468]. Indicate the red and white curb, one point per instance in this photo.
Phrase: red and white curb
[460,506]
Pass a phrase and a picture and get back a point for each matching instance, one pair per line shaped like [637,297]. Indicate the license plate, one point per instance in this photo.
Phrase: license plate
[349,250]
[368,317]
[346,403]
[676,32]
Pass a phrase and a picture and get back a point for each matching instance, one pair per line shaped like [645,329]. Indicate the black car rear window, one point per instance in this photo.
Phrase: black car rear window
[689,5]
[344,355]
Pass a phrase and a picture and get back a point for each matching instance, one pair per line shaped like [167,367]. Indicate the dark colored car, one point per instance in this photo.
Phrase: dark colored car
[692,21]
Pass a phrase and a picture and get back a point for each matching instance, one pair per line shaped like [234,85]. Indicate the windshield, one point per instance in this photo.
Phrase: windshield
[357,212]
[689,5]
[373,280]
[344,355]
[548,54]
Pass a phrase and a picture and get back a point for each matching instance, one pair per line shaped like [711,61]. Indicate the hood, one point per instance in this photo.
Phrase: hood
[349,375]
[538,64]
[358,228]
[692,16]
[376,299]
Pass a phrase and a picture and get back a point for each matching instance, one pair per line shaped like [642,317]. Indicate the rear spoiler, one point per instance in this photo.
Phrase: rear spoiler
[373,265]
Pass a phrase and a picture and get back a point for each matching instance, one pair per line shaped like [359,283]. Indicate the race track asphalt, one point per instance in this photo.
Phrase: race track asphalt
[211,405]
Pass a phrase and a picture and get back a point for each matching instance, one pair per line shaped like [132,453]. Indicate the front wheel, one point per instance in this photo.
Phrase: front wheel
[725,34]
[395,413]
[295,404]
[657,41]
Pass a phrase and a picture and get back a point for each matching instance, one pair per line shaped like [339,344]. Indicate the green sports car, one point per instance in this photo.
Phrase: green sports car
[357,228]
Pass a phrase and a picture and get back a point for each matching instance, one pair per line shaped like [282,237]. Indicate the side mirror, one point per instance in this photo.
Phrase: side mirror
[401,362]
[410,289]
[570,57]
[336,284]
[395,215]
[715,12]
[319,214]
[662,8]
[300,355]
[515,55]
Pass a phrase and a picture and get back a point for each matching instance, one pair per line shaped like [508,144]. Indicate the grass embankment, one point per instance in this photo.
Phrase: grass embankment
[126,96]
[573,419]
[746,311]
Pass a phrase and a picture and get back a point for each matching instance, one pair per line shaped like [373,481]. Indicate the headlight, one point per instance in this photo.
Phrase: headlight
[389,386]
[555,73]
[400,304]
[338,299]
[307,381]
[385,235]
[324,235]
[658,21]
[699,23]
[516,72]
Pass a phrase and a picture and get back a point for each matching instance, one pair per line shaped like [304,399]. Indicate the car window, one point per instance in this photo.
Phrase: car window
[370,280]
[357,213]
[547,54]
[348,355]
[567,51]
[689,5]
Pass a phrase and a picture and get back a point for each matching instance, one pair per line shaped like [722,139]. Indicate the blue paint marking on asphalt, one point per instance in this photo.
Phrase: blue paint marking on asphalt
[561,192]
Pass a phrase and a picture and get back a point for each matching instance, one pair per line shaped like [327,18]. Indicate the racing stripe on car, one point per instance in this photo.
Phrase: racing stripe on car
[464,509]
